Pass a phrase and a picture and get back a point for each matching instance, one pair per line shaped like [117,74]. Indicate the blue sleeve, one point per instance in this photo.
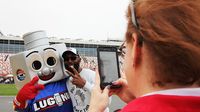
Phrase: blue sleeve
[22,110]
[27,109]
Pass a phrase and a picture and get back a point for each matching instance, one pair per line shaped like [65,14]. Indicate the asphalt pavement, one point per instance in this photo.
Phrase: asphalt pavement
[7,106]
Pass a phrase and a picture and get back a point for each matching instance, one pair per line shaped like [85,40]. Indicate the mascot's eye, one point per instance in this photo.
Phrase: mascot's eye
[36,65]
[51,61]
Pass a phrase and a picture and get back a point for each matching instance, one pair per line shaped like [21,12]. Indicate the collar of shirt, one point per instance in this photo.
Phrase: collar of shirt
[177,92]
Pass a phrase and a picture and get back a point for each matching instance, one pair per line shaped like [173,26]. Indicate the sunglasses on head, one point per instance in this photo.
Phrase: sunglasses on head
[70,58]
[133,14]
[135,20]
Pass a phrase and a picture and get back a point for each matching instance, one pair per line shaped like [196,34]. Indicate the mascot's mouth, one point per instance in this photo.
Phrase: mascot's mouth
[47,77]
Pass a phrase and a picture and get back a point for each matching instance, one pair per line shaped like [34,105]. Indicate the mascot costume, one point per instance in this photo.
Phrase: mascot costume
[40,76]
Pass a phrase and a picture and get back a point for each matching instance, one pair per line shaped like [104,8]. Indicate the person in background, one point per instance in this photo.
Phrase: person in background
[162,59]
[80,82]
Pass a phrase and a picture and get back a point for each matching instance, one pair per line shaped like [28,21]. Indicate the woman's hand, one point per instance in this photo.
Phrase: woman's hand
[124,93]
[99,98]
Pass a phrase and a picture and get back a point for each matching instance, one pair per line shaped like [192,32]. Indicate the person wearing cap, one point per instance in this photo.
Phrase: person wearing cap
[81,81]
[41,79]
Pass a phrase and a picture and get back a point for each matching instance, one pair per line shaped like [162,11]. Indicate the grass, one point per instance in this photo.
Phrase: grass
[8,90]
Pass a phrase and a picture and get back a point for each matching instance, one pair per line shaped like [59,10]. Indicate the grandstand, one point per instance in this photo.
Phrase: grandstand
[86,48]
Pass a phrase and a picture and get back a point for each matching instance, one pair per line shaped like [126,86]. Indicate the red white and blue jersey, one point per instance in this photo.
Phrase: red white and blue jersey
[54,98]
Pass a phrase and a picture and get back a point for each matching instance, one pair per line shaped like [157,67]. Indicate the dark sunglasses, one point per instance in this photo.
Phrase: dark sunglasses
[122,50]
[70,58]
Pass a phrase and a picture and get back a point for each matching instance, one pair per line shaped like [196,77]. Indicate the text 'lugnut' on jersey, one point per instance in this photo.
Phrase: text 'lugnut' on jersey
[54,98]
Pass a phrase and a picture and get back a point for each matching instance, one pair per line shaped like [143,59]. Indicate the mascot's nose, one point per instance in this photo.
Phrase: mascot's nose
[46,71]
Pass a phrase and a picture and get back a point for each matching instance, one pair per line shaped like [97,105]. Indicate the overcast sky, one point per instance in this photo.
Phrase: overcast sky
[87,19]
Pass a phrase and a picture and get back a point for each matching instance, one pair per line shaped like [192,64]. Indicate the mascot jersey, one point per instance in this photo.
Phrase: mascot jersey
[54,98]
[175,100]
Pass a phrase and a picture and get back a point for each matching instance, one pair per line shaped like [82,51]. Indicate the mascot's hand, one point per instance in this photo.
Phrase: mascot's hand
[27,92]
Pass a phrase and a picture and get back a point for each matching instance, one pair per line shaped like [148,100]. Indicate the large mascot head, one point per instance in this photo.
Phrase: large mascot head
[40,59]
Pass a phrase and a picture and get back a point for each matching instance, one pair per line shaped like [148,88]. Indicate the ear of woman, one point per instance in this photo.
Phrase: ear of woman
[136,50]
